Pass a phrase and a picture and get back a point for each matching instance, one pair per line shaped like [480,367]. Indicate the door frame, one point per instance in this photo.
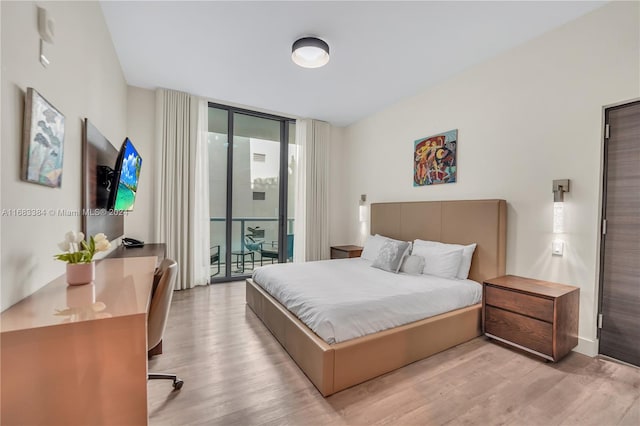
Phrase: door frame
[282,190]
[602,213]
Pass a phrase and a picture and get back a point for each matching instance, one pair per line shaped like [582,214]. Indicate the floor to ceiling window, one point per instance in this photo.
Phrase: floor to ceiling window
[252,190]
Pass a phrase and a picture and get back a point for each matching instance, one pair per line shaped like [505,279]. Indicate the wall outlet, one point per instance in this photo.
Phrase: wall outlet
[557,247]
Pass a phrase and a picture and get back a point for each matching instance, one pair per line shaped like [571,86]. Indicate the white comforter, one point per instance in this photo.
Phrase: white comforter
[343,299]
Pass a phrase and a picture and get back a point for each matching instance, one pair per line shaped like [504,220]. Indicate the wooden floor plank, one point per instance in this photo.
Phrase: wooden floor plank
[236,373]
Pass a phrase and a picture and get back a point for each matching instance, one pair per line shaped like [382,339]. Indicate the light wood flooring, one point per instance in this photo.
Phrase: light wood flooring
[236,373]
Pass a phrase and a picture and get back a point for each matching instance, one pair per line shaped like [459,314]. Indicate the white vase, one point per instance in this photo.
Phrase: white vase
[80,273]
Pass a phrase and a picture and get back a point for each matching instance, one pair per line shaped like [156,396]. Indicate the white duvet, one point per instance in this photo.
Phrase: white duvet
[343,299]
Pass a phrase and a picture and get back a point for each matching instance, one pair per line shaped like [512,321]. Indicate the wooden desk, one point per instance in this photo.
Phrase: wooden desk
[78,355]
[158,250]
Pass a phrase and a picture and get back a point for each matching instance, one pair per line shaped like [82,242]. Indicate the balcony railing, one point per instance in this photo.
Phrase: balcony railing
[243,221]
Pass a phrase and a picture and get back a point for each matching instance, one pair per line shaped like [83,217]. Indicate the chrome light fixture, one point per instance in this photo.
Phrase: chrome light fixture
[310,52]
[560,186]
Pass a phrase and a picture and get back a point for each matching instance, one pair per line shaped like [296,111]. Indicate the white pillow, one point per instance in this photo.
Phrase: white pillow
[412,265]
[372,247]
[438,260]
[467,254]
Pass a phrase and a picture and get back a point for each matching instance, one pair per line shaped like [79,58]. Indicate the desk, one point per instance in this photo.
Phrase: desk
[78,355]
[158,250]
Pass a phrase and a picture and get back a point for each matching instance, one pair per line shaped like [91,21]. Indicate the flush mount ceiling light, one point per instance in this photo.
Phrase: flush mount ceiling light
[310,52]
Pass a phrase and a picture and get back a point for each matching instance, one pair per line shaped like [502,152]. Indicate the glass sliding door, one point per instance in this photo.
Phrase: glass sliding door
[218,153]
[249,192]
[256,192]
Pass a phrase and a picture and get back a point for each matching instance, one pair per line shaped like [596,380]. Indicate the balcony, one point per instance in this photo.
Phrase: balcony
[248,236]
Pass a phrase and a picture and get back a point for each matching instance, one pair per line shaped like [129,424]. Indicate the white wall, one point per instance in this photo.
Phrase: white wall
[524,118]
[83,80]
[338,202]
[141,103]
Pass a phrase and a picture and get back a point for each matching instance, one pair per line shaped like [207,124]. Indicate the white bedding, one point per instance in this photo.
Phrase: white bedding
[343,299]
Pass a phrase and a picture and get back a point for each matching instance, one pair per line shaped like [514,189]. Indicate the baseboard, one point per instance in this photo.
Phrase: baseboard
[587,347]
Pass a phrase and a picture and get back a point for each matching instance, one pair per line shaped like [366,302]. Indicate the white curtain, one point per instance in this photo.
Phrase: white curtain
[311,226]
[182,184]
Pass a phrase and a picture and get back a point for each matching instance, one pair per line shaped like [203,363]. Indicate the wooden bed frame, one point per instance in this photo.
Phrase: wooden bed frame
[332,368]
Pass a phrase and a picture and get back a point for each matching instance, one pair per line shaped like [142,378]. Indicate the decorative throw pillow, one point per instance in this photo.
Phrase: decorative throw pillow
[439,260]
[467,255]
[391,255]
[373,244]
[412,265]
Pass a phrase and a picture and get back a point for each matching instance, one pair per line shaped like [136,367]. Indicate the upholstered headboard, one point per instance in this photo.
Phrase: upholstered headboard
[458,222]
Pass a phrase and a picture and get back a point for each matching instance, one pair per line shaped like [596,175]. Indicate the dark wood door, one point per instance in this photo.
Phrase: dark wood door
[620,254]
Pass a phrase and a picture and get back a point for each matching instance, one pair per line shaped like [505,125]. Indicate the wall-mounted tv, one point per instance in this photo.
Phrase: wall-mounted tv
[126,177]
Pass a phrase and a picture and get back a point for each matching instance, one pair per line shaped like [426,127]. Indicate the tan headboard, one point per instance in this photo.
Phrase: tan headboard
[458,222]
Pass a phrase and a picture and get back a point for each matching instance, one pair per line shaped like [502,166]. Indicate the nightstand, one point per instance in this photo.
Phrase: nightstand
[537,316]
[344,252]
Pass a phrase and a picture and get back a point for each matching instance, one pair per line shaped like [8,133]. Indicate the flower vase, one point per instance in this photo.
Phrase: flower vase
[80,273]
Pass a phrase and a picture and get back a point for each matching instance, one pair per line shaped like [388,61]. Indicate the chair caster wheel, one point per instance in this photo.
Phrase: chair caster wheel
[177,384]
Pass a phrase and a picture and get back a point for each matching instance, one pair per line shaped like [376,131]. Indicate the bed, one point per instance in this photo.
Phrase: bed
[337,366]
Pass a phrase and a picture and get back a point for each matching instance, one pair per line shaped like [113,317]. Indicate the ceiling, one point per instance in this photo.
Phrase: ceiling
[381,52]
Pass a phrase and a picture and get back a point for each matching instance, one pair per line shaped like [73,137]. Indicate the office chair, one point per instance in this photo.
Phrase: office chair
[159,312]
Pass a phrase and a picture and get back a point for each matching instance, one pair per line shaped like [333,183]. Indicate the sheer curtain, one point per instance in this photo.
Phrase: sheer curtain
[311,226]
[182,184]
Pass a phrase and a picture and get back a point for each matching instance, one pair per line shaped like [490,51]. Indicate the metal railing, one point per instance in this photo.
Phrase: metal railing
[244,220]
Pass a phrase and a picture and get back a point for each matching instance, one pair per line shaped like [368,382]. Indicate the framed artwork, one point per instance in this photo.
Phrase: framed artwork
[43,140]
[434,159]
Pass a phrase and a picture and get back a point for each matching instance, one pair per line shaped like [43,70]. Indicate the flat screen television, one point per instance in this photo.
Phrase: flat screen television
[125,178]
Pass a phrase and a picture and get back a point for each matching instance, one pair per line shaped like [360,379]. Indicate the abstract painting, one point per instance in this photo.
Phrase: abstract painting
[43,140]
[434,159]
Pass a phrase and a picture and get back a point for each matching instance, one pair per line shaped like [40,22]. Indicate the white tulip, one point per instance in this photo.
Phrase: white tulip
[64,245]
[99,237]
[70,237]
[74,237]
[103,245]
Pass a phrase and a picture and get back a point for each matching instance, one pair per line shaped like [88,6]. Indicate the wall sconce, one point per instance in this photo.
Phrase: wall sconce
[363,208]
[560,186]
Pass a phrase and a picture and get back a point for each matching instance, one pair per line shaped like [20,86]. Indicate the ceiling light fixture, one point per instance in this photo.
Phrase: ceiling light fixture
[310,52]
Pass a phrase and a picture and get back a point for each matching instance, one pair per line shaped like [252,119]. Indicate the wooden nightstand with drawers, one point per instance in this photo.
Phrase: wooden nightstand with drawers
[537,316]
[344,252]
